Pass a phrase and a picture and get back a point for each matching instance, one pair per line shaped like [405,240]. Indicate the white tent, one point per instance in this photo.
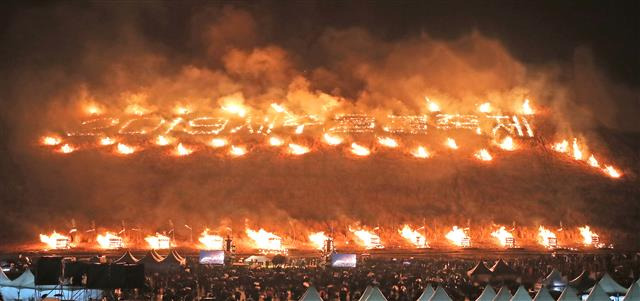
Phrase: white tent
[597,294]
[521,295]
[3,278]
[488,294]
[440,295]
[633,293]
[427,293]
[543,295]
[372,294]
[610,286]
[311,295]
[503,294]
[569,294]
[555,281]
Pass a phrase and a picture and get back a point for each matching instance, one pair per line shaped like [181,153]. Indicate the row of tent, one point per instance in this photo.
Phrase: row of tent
[597,293]
[24,288]
[500,270]
[154,262]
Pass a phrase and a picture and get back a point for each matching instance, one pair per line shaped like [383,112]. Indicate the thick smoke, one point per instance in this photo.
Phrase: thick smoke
[67,57]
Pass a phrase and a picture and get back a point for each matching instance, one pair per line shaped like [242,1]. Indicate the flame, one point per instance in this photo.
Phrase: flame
[109,241]
[612,171]
[484,107]
[278,108]
[107,141]
[265,240]
[359,150]
[526,108]
[299,129]
[546,236]
[332,140]
[125,149]
[297,149]
[275,141]
[587,235]
[181,110]
[235,108]
[432,106]
[318,240]
[507,144]
[158,241]
[502,234]
[93,109]
[413,236]
[593,161]
[67,148]
[456,236]
[368,239]
[211,241]
[421,152]
[562,147]
[218,142]
[577,153]
[162,140]
[237,151]
[182,150]
[55,240]
[136,109]
[50,140]
[452,143]
[483,155]
[388,142]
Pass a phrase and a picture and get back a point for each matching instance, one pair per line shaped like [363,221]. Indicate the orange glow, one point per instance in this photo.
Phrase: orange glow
[483,155]
[278,108]
[526,108]
[67,148]
[210,241]
[458,237]
[547,238]
[136,109]
[163,140]
[432,106]
[413,236]
[182,150]
[612,171]
[299,129]
[264,240]
[577,153]
[593,161]
[237,151]
[359,150]
[56,240]
[218,142]
[588,237]
[158,241]
[507,144]
[125,149]
[484,107]
[502,234]
[235,108]
[275,141]
[110,241]
[297,149]
[93,109]
[107,141]
[181,110]
[332,140]
[318,240]
[368,239]
[388,142]
[50,140]
[421,152]
[562,147]
[451,143]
